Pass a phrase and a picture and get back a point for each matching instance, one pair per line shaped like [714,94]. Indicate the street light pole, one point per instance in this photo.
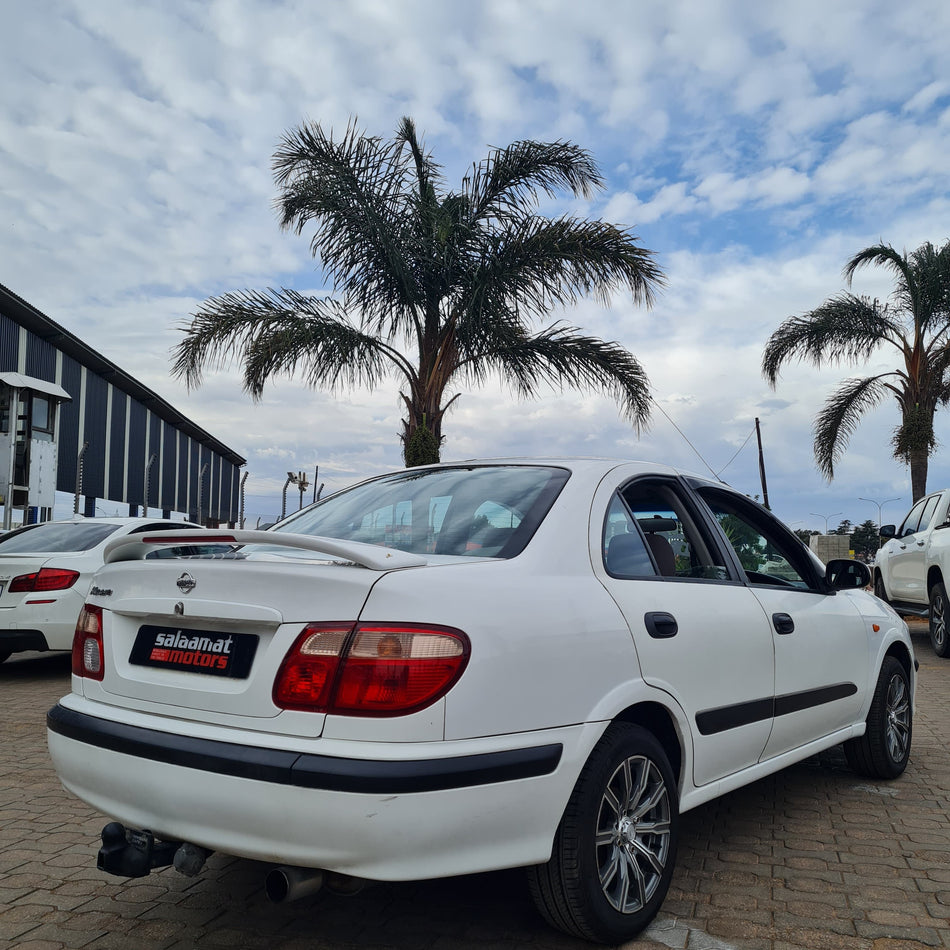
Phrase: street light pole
[880,515]
[826,517]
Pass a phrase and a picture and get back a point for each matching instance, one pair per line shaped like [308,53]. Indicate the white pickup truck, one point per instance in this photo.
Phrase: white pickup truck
[912,569]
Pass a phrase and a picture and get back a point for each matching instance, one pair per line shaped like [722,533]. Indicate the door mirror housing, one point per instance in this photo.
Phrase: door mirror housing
[843,574]
[888,531]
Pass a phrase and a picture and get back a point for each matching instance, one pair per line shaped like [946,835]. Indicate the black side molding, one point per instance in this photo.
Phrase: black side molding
[366,776]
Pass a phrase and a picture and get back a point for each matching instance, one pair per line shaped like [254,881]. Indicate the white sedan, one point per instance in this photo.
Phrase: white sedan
[460,668]
[45,573]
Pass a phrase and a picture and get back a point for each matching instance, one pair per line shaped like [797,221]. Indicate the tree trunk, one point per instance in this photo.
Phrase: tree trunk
[422,439]
[919,460]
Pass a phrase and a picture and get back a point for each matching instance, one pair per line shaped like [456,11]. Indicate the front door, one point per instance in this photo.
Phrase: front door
[820,638]
[906,554]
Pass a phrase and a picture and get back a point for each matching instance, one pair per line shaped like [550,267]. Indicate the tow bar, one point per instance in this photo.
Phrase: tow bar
[129,853]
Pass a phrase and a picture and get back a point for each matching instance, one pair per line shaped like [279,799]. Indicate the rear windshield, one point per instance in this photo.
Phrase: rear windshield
[480,511]
[56,538]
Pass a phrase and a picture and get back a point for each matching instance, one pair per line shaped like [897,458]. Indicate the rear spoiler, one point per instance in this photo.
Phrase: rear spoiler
[134,547]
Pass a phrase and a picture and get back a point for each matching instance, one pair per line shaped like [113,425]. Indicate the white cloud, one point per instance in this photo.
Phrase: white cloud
[754,147]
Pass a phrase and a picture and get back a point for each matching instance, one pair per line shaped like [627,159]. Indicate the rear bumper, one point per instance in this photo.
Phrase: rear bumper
[400,812]
[18,641]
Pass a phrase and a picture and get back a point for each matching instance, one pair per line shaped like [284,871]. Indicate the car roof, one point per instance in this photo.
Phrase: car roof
[587,464]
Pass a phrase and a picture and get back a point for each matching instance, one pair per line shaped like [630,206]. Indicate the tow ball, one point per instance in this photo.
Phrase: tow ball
[130,853]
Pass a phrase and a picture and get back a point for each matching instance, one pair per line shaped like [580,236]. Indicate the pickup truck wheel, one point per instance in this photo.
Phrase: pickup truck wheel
[615,847]
[883,750]
[879,590]
[938,620]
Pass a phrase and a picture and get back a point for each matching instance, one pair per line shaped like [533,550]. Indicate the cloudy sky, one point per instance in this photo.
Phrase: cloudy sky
[753,146]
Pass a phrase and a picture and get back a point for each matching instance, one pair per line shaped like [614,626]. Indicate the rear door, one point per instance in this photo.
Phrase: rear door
[700,634]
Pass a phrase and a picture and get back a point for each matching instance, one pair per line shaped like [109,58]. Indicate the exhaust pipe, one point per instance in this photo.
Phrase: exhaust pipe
[290,884]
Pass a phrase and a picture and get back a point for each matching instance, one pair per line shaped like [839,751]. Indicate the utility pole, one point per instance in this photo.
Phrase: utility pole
[765,488]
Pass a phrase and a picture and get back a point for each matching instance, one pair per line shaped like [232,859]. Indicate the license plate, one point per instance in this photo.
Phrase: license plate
[194,651]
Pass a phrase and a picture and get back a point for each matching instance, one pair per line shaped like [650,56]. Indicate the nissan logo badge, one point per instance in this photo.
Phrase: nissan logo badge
[186,583]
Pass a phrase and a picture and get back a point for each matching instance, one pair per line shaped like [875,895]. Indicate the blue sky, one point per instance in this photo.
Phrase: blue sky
[754,147]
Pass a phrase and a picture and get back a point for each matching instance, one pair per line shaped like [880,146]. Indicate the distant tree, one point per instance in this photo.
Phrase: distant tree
[844,527]
[437,288]
[849,328]
[805,534]
[865,539]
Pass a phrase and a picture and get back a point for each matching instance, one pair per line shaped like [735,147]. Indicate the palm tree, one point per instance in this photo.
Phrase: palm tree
[436,288]
[851,328]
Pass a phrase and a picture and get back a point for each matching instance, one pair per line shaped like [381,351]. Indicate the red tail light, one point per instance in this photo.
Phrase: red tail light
[47,578]
[88,653]
[370,669]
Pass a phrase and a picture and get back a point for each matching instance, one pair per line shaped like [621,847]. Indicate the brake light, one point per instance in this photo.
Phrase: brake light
[47,578]
[87,644]
[370,669]
[206,538]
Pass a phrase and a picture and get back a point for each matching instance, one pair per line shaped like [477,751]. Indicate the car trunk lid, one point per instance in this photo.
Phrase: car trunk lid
[203,639]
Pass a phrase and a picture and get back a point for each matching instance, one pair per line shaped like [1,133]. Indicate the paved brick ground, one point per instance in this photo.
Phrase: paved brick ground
[813,857]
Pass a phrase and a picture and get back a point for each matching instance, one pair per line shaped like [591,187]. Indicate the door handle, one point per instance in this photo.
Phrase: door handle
[783,624]
[660,625]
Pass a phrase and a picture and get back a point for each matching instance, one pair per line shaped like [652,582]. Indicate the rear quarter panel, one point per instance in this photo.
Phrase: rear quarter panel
[545,648]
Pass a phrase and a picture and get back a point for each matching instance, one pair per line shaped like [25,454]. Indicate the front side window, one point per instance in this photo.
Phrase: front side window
[766,553]
[912,520]
[928,513]
[477,511]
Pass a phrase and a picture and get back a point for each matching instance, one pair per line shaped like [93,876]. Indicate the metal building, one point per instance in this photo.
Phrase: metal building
[63,406]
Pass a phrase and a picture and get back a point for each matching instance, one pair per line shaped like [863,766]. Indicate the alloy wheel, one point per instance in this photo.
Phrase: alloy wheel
[938,621]
[633,834]
[897,721]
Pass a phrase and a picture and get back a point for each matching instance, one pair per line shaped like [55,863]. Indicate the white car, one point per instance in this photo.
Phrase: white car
[45,573]
[461,668]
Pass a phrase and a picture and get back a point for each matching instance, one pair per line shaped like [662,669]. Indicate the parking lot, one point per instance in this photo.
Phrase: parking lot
[814,857]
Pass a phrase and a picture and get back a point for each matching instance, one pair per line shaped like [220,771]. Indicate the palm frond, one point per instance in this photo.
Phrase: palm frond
[882,255]
[840,415]
[562,357]
[276,332]
[510,178]
[358,195]
[843,328]
[539,263]
[428,172]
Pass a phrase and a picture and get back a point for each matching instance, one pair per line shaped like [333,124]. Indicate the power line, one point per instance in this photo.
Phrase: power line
[734,457]
[683,434]
[699,455]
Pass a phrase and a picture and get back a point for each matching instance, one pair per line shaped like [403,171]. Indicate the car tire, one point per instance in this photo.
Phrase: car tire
[883,750]
[879,590]
[615,847]
[939,639]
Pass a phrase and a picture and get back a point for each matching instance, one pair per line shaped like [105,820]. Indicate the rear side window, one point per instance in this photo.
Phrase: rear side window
[56,538]
[651,532]
[476,511]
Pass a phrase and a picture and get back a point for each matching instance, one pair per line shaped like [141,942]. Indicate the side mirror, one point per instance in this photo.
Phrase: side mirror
[843,574]
[888,531]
